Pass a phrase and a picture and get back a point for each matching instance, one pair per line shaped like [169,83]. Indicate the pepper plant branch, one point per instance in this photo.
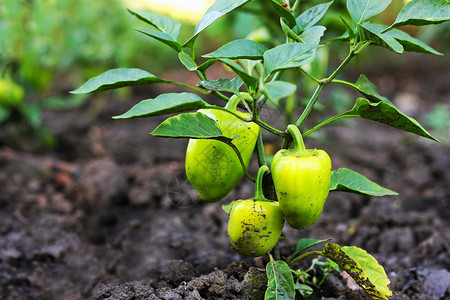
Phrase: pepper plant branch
[309,75]
[259,195]
[324,82]
[260,150]
[326,122]
[190,87]
[295,6]
[310,105]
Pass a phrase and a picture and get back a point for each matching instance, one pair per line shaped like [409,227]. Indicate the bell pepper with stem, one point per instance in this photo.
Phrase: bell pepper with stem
[255,224]
[302,180]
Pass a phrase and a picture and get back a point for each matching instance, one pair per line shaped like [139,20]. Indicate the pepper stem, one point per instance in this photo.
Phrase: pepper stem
[259,195]
[235,99]
[299,145]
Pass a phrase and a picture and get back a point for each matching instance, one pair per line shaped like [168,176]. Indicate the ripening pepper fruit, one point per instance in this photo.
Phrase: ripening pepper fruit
[255,225]
[213,167]
[302,180]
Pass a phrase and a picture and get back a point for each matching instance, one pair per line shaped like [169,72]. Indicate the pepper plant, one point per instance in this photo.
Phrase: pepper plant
[224,138]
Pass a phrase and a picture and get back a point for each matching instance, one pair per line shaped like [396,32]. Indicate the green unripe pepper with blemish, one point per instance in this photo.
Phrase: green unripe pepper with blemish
[302,180]
[255,225]
[213,167]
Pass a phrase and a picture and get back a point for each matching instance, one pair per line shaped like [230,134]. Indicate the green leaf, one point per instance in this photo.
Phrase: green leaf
[385,113]
[311,16]
[289,32]
[248,79]
[312,35]
[214,12]
[287,56]
[189,125]
[164,104]
[276,90]
[117,78]
[361,10]
[303,289]
[371,33]
[423,12]
[283,12]
[408,42]
[163,37]
[306,243]
[187,61]
[162,23]
[367,88]
[347,180]
[362,267]
[280,281]
[222,84]
[239,49]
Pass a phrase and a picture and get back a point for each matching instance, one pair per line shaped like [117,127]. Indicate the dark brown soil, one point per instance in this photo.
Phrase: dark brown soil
[109,214]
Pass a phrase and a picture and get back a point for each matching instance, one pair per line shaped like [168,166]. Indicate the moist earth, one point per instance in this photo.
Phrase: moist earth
[109,214]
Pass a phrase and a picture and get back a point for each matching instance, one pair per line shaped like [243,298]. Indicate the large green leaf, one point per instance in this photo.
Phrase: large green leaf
[164,104]
[385,113]
[117,78]
[362,267]
[248,79]
[280,281]
[239,49]
[373,269]
[214,12]
[163,37]
[347,180]
[287,56]
[361,10]
[223,84]
[162,23]
[423,12]
[371,33]
[408,42]
[311,16]
[189,125]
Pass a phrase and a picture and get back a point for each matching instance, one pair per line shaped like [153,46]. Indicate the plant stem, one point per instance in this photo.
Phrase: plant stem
[295,6]
[328,121]
[300,257]
[299,145]
[310,105]
[324,82]
[260,150]
[190,87]
[259,195]
[310,76]
[270,128]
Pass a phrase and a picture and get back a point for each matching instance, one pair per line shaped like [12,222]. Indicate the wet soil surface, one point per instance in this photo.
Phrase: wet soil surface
[109,214]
